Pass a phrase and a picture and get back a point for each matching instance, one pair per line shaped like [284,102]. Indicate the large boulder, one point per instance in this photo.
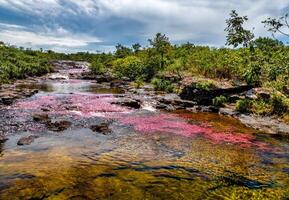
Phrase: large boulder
[205,96]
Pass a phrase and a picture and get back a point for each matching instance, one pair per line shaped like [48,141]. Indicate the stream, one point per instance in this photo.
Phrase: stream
[138,153]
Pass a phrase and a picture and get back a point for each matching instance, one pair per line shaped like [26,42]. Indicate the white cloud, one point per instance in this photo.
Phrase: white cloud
[58,37]
[200,21]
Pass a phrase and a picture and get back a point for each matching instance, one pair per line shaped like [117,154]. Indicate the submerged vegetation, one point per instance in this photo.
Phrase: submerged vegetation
[260,62]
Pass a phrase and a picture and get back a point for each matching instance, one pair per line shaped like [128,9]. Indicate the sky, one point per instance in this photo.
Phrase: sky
[98,25]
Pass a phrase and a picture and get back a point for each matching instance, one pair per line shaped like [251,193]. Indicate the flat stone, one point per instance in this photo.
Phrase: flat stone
[26,140]
[102,128]
[59,126]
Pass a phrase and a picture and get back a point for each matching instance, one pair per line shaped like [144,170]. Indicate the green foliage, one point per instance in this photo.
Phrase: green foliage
[97,67]
[278,104]
[162,85]
[220,101]
[19,64]
[130,67]
[205,85]
[237,35]
[244,106]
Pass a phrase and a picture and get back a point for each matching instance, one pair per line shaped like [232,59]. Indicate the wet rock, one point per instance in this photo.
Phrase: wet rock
[118,83]
[26,140]
[42,117]
[102,128]
[199,108]
[59,126]
[128,103]
[266,124]
[45,109]
[227,111]
[206,96]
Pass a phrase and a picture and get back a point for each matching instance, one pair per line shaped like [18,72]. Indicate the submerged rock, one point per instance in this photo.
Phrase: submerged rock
[27,140]
[102,128]
[41,117]
[132,103]
[59,126]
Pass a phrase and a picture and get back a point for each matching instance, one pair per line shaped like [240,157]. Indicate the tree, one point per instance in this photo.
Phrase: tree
[161,44]
[277,25]
[136,47]
[122,51]
[237,35]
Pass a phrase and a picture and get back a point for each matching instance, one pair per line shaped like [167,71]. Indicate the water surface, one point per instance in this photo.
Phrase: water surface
[147,155]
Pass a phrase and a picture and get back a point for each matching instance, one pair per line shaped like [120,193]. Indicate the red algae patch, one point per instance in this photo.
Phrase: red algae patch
[95,105]
[171,123]
[81,105]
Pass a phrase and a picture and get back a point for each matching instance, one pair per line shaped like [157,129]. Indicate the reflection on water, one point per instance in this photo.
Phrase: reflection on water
[148,155]
[70,86]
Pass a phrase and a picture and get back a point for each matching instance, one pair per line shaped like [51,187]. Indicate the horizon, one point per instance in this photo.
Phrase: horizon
[70,26]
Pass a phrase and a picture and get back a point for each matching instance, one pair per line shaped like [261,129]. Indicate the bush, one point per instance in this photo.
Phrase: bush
[205,85]
[244,106]
[280,104]
[97,67]
[220,101]
[162,85]
[130,67]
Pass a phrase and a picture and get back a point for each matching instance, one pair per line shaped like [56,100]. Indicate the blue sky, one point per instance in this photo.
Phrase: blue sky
[90,25]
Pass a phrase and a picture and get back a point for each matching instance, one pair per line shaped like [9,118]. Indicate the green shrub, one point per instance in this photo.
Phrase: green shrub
[97,67]
[130,67]
[220,101]
[162,85]
[280,104]
[244,105]
[205,85]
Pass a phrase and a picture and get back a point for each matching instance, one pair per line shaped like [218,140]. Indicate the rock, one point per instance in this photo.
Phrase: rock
[262,93]
[199,108]
[118,83]
[128,103]
[265,124]
[41,117]
[102,128]
[26,140]
[227,111]
[206,96]
[59,126]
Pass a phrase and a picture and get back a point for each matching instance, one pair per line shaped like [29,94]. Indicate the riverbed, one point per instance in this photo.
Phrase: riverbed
[142,152]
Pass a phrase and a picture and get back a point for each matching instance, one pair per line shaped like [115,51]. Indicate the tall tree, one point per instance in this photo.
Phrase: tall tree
[161,44]
[136,47]
[122,51]
[237,34]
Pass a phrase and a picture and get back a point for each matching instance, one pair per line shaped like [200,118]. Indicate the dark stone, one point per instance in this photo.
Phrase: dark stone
[102,128]
[128,103]
[59,126]
[26,140]
[41,117]
[205,97]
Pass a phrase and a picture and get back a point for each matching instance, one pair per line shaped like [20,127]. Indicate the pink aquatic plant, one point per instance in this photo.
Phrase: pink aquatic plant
[170,123]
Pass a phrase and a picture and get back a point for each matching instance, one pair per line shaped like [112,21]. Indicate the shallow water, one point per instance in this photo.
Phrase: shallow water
[148,155]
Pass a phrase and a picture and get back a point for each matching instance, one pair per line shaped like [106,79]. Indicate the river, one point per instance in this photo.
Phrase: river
[142,153]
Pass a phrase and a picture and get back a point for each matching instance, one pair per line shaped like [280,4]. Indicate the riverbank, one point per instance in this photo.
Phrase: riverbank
[191,98]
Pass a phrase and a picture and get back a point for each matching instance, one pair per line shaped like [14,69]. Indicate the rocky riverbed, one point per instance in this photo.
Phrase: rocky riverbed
[71,135]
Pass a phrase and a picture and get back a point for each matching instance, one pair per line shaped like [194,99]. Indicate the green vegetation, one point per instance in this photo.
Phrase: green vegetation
[220,101]
[278,104]
[18,64]
[162,85]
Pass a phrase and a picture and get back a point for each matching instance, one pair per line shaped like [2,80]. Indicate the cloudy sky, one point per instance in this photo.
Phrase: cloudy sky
[90,25]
